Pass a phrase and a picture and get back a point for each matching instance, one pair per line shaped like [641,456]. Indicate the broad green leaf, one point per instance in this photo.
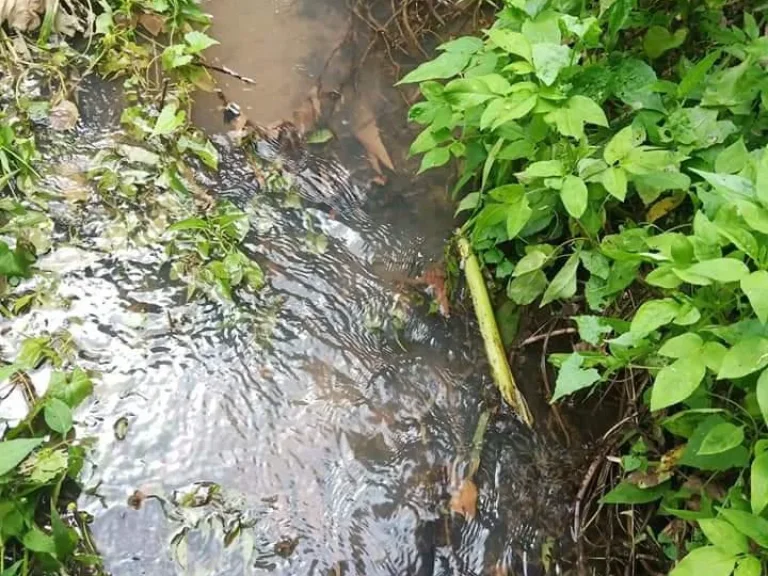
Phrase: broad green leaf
[737,457]
[749,566]
[462,45]
[574,195]
[530,262]
[708,560]
[652,315]
[548,60]
[754,527]
[197,41]
[676,382]
[588,110]
[695,76]
[518,215]
[761,178]
[622,143]
[169,120]
[713,354]
[614,179]
[755,286]
[38,541]
[188,224]
[206,151]
[543,29]
[618,15]
[688,344]
[745,357]
[732,159]
[65,538]
[12,452]
[573,377]
[723,535]
[58,416]
[524,289]
[469,202]
[435,158]
[512,42]
[762,394]
[13,569]
[658,40]
[543,169]
[720,269]
[563,285]
[626,493]
[447,65]
[72,389]
[721,438]
[758,483]
[730,185]
[592,328]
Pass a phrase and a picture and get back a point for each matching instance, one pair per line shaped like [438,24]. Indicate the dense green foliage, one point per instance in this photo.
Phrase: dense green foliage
[620,149]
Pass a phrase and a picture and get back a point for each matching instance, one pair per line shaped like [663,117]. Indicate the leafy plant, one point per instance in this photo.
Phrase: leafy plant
[592,165]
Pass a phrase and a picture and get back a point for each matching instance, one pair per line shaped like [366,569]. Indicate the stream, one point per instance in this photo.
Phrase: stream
[321,426]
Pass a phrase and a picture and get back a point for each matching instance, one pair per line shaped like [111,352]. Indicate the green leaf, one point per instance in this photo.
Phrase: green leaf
[524,289]
[563,285]
[203,150]
[435,158]
[592,328]
[462,45]
[614,179]
[676,382]
[732,159]
[652,315]
[12,570]
[13,263]
[169,120]
[518,215]
[731,186]
[469,202]
[65,538]
[38,541]
[548,60]
[758,483]
[543,169]
[72,389]
[12,452]
[621,145]
[447,65]
[723,535]
[626,493]
[749,566]
[658,40]
[197,41]
[695,76]
[512,42]
[708,560]
[573,377]
[574,195]
[762,394]
[58,416]
[721,438]
[588,110]
[754,527]
[745,357]
[530,262]
[688,344]
[720,269]
[755,286]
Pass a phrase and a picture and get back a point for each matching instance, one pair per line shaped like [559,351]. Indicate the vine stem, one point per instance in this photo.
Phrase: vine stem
[494,349]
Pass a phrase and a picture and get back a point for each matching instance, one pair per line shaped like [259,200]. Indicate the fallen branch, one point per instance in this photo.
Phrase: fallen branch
[494,348]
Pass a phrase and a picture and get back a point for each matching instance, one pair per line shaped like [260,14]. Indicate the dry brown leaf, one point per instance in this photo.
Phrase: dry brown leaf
[434,277]
[367,133]
[63,116]
[464,500]
[665,206]
[22,15]
[305,117]
[152,23]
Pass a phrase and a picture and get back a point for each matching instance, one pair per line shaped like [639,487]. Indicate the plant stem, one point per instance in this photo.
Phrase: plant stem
[494,349]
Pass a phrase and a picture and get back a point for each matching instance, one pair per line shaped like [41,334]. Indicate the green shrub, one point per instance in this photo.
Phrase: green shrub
[623,148]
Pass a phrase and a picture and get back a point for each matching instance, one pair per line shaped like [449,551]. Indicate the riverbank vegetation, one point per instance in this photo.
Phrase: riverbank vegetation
[612,160]
[140,185]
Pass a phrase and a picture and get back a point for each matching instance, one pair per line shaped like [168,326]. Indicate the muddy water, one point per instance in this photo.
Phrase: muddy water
[315,429]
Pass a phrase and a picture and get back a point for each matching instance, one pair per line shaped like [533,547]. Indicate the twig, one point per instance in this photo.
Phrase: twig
[539,337]
[548,388]
[228,72]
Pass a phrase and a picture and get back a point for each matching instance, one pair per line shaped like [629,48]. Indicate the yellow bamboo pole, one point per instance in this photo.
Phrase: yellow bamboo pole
[494,348]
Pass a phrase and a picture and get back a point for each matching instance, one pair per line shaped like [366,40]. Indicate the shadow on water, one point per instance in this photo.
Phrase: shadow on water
[331,414]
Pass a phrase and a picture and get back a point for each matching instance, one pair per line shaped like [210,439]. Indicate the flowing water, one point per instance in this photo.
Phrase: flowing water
[315,429]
